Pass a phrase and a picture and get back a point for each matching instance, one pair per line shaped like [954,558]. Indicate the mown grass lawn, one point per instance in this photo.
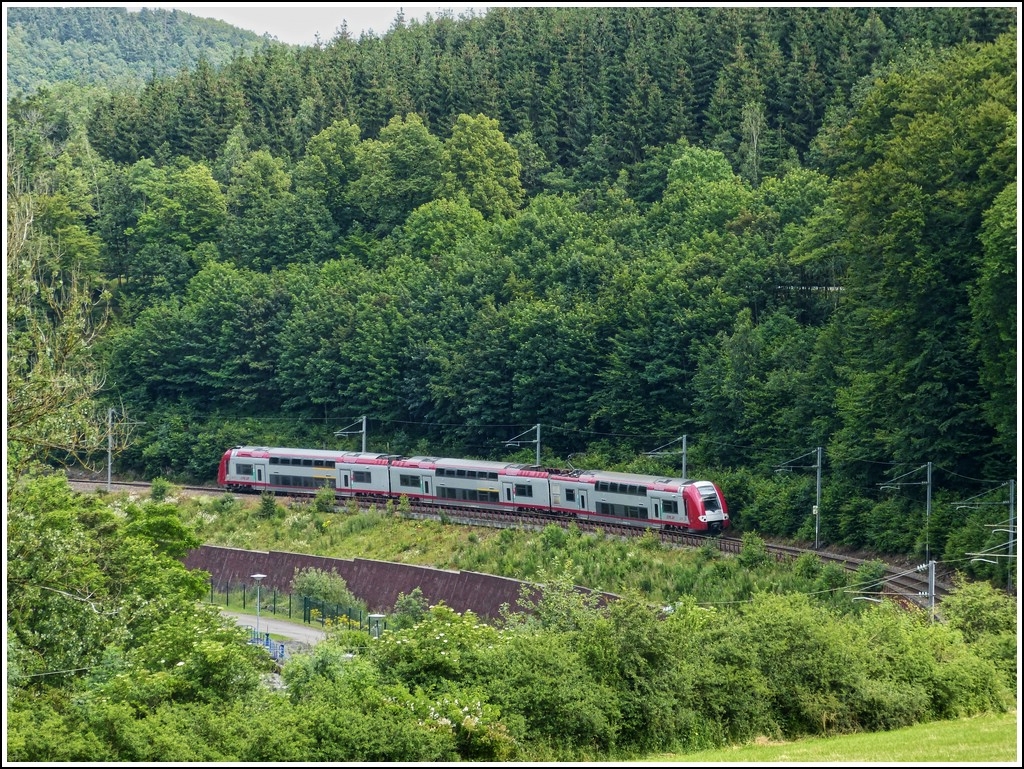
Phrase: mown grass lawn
[986,739]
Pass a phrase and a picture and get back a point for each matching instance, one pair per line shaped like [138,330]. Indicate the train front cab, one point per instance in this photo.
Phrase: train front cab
[706,508]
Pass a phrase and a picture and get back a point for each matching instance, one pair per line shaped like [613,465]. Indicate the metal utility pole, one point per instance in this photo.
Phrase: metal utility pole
[927,527]
[516,442]
[346,431]
[110,443]
[658,452]
[1012,530]
[931,587]
[110,437]
[817,506]
[928,502]
[816,510]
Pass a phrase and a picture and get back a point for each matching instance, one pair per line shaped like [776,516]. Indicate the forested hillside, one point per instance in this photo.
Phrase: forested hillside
[752,232]
[110,47]
[765,229]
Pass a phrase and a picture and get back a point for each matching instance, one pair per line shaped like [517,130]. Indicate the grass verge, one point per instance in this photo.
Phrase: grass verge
[991,738]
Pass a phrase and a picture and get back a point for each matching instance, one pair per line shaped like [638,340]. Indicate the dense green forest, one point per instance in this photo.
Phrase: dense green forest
[111,47]
[765,229]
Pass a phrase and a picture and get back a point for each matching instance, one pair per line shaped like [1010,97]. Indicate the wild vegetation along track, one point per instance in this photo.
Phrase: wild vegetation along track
[907,585]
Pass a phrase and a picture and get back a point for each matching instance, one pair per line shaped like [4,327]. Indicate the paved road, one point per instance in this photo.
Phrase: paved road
[296,633]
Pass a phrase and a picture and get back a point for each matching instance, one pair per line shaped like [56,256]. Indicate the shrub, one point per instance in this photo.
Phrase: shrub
[159,489]
[753,552]
[323,502]
[320,585]
[268,506]
[409,609]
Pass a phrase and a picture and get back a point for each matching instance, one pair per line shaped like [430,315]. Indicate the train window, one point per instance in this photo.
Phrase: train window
[622,511]
[361,476]
[241,469]
[570,495]
[711,502]
[468,495]
[671,507]
[524,490]
[460,473]
[273,460]
[409,481]
[307,462]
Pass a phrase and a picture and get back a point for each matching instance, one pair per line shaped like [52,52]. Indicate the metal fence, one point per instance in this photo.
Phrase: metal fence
[312,611]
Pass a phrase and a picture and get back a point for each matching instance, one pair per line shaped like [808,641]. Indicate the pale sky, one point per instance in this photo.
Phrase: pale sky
[299,24]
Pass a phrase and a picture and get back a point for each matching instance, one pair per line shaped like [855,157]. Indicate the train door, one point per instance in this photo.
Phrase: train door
[506,493]
[583,499]
[260,472]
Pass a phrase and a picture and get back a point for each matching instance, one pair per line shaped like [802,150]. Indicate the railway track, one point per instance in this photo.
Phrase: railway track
[908,586]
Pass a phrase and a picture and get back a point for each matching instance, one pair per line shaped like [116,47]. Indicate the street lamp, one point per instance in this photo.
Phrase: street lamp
[258,578]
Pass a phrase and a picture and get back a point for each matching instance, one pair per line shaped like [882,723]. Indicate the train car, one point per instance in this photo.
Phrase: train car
[640,500]
[282,470]
[470,483]
[364,475]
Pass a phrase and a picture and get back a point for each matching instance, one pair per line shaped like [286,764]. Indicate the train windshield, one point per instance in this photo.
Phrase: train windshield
[711,502]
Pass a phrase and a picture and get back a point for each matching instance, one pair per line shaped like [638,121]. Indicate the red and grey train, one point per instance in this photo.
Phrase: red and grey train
[593,495]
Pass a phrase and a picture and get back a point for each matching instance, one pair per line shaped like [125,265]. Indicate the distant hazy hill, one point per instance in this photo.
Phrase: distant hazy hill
[105,46]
